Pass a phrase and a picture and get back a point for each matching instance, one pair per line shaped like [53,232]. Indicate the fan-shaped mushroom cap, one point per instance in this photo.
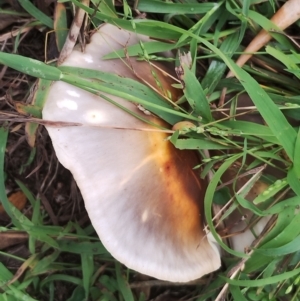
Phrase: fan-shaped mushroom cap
[141,194]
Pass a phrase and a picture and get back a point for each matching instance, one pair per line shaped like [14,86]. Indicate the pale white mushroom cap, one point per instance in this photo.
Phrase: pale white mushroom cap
[141,194]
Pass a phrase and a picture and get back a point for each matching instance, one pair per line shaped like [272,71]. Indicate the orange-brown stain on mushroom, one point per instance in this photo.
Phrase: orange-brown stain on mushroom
[182,201]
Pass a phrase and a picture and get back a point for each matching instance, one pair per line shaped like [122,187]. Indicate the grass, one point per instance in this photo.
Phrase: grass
[61,258]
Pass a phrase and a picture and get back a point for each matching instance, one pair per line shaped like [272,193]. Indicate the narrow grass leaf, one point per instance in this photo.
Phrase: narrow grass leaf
[291,247]
[5,275]
[158,6]
[285,230]
[40,96]
[106,7]
[87,265]
[61,277]
[249,205]
[296,165]
[78,294]
[36,215]
[269,26]
[31,261]
[278,124]
[293,180]
[293,202]
[36,13]
[38,102]
[27,109]
[135,50]
[43,265]
[155,29]
[277,186]
[27,192]
[19,294]
[60,25]
[195,95]
[198,143]
[217,68]
[13,213]
[123,284]
[243,128]
[283,58]
[208,200]
[236,293]
[265,281]
[30,66]
[43,238]
[88,248]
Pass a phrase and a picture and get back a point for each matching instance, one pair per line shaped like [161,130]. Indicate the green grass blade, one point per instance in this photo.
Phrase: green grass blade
[158,6]
[291,247]
[35,12]
[30,66]
[297,156]
[195,95]
[208,200]
[60,25]
[123,284]
[265,281]
[87,263]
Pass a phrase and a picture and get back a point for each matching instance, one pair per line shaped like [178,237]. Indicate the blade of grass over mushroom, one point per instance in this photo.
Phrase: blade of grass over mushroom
[30,66]
[198,143]
[126,88]
[195,95]
[35,12]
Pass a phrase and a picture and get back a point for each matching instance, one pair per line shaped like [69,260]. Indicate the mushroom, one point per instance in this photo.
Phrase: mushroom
[142,195]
